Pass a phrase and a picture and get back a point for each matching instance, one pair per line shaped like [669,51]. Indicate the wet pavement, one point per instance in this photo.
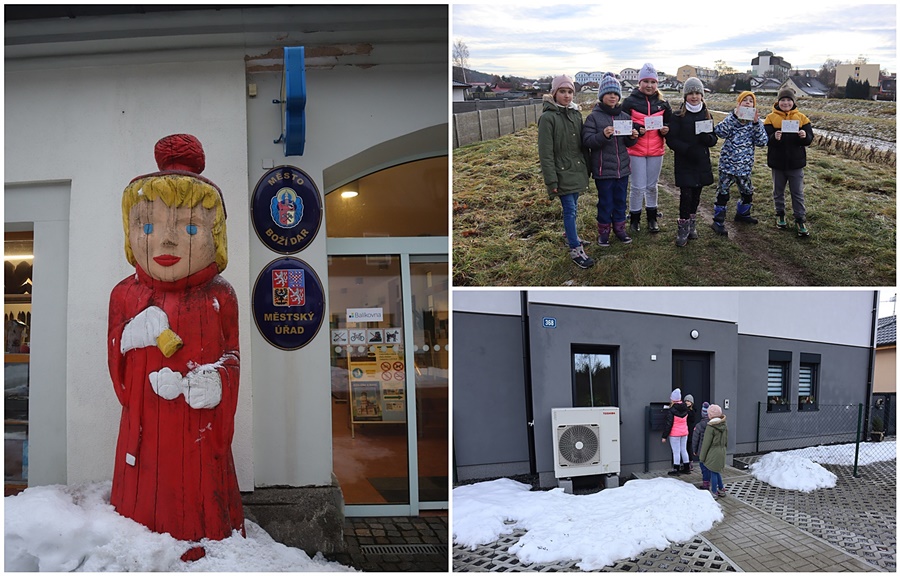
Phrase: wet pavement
[851,527]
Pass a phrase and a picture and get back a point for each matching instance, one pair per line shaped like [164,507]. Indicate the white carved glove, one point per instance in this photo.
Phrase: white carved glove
[143,330]
[203,388]
[167,384]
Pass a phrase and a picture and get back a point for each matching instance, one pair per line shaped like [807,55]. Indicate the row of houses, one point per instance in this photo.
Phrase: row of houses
[804,85]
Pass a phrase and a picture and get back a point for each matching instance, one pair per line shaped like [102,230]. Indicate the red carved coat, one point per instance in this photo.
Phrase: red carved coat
[182,480]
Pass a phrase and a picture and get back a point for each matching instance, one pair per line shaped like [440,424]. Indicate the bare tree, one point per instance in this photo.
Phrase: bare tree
[461,56]
[722,68]
[827,71]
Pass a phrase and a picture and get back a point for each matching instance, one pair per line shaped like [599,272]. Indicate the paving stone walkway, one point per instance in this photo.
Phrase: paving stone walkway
[851,527]
[396,544]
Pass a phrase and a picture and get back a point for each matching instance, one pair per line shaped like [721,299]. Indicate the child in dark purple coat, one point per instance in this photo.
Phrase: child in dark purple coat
[610,162]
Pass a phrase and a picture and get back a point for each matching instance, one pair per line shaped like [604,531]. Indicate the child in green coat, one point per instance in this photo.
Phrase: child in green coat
[564,163]
[712,453]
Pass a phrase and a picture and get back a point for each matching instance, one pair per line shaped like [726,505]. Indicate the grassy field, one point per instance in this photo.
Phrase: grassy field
[508,232]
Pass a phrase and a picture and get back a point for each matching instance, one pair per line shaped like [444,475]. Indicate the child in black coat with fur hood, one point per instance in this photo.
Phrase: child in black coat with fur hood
[690,137]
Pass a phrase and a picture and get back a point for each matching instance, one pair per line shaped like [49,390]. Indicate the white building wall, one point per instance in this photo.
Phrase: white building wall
[292,401]
[834,316]
[95,123]
[503,302]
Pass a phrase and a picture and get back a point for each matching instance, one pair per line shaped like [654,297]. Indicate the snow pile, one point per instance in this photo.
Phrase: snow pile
[844,454]
[74,528]
[792,472]
[595,530]
[798,469]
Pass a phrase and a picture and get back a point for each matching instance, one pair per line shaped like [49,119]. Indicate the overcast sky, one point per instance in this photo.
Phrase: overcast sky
[535,40]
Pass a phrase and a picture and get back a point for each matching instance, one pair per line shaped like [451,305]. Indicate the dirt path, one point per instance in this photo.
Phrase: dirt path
[749,243]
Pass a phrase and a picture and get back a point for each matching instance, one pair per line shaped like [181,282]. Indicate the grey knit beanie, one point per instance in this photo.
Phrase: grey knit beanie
[692,85]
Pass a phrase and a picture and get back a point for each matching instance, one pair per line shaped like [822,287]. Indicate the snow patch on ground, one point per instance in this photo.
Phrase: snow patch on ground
[800,469]
[595,530]
[792,472]
[74,528]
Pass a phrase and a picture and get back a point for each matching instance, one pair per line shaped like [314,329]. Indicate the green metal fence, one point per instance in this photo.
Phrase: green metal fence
[783,427]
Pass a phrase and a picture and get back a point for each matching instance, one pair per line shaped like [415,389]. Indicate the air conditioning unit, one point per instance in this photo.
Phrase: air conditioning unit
[585,441]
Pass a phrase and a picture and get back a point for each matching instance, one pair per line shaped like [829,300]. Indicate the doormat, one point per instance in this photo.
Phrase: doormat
[396,489]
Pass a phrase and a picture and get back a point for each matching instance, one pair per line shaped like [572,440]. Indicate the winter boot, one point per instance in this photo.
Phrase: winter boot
[652,224]
[684,228]
[706,484]
[619,230]
[579,257]
[780,221]
[636,221]
[802,230]
[685,469]
[692,234]
[718,224]
[675,472]
[743,213]
[603,234]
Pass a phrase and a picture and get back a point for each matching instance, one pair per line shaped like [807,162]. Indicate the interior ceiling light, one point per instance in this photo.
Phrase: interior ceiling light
[349,194]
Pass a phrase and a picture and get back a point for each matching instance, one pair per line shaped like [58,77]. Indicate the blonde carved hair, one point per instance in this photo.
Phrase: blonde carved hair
[176,190]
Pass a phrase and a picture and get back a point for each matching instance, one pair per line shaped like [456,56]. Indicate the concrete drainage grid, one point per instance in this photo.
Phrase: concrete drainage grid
[695,556]
[858,515]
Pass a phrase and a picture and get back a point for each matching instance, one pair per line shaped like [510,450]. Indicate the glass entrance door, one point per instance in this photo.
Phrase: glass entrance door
[388,276]
[389,333]
[430,340]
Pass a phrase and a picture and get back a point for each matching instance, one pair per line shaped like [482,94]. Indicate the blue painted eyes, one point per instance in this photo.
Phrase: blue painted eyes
[190,228]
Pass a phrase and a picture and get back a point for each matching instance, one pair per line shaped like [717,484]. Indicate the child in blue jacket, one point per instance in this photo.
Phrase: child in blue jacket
[736,161]
[610,162]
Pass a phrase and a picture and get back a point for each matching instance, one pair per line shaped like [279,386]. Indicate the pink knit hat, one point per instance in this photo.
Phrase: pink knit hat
[561,81]
[715,411]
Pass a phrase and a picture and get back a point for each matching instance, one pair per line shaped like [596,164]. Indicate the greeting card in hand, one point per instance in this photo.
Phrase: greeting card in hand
[745,113]
[653,122]
[790,126]
[622,127]
[703,126]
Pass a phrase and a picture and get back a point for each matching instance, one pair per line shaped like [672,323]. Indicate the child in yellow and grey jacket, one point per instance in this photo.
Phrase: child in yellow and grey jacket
[786,156]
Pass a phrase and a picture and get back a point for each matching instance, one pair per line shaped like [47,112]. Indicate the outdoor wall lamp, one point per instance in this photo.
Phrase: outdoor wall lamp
[695,334]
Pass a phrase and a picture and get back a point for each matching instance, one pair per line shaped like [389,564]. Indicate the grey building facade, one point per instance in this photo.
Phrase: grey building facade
[517,356]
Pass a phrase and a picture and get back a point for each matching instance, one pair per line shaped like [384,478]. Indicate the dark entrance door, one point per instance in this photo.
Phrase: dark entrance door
[690,372]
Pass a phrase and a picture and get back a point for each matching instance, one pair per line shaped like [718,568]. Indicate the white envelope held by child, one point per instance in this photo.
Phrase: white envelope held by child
[703,126]
[745,113]
[790,126]
[653,122]
[622,127]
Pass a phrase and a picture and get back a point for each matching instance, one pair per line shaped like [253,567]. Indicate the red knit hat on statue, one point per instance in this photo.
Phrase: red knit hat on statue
[181,154]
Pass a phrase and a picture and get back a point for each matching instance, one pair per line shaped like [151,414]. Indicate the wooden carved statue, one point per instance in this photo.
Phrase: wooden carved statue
[173,354]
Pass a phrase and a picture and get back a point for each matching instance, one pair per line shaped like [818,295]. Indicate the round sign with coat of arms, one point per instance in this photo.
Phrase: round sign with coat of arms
[286,209]
[288,303]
